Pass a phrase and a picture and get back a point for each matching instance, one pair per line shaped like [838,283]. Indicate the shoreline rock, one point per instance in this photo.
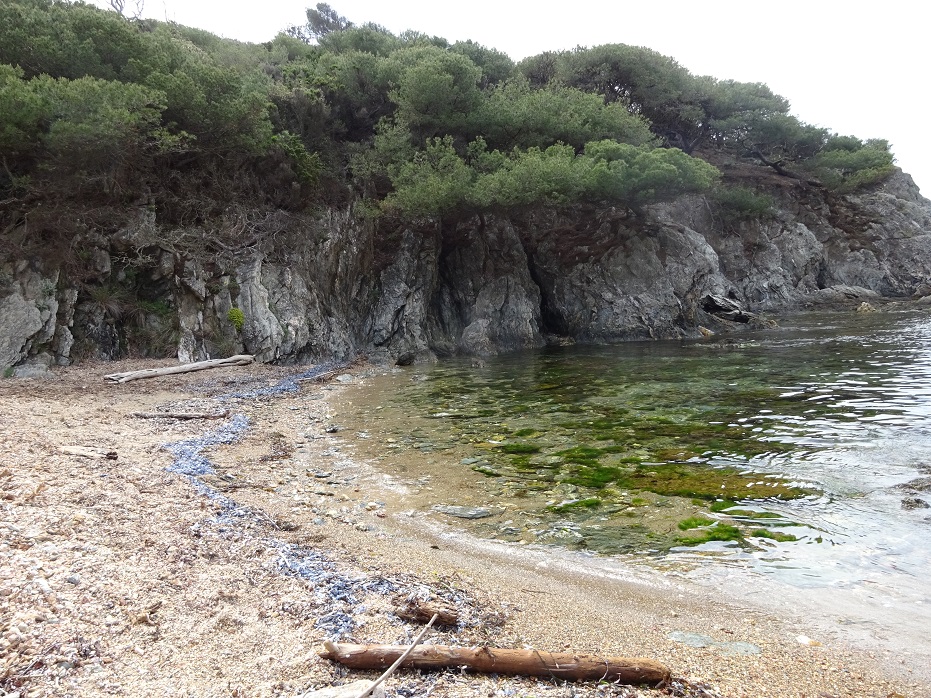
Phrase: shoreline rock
[479,286]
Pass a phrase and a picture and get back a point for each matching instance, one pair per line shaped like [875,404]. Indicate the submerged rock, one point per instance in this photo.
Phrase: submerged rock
[698,640]
[920,484]
[462,512]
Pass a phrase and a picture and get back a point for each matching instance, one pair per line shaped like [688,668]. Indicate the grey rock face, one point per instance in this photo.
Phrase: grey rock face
[302,304]
[21,321]
[341,286]
[28,309]
[613,282]
[487,301]
[841,294]
[398,319]
[36,366]
[64,339]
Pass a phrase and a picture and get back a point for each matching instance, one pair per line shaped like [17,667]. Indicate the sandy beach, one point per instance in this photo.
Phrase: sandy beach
[122,575]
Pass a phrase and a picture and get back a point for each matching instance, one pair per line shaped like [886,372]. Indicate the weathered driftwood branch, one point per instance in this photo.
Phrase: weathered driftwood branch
[88,452]
[560,665]
[181,415]
[238,360]
[320,376]
[421,611]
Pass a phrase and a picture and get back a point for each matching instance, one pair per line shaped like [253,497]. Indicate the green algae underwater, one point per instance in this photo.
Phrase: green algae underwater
[633,448]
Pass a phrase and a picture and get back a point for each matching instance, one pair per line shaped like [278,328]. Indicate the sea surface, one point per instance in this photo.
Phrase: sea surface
[790,466]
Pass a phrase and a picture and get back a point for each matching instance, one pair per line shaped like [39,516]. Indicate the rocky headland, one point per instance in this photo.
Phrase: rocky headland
[338,285]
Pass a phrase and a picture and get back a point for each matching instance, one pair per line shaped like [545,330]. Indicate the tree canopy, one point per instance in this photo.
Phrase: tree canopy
[95,107]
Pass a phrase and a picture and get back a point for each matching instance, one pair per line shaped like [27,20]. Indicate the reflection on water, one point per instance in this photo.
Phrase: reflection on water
[803,453]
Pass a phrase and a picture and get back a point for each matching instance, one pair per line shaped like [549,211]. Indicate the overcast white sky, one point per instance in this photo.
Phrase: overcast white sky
[858,68]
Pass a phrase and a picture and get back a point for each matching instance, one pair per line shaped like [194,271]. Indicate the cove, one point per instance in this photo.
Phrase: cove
[800,453]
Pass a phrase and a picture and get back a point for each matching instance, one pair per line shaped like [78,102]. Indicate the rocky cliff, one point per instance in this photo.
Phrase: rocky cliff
[338,285]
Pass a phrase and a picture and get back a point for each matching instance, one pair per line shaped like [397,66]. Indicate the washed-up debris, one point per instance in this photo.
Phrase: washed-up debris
[807,641]
[288,384]
[239,360]
[681,688]
[419,611]
[88,452]
[338,591]
[188,458]
[367,690]
[349,690]
[182,415]
[515,662]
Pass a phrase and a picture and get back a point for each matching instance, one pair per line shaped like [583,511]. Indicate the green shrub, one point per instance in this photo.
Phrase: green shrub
[846,163]
[743,203]
[306,165]
[237,318]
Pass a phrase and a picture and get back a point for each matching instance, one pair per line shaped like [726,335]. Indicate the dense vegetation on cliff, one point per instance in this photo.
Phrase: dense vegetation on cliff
[98,112]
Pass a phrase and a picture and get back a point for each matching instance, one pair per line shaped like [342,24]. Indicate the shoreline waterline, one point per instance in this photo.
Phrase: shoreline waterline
[149,536]
[873,593]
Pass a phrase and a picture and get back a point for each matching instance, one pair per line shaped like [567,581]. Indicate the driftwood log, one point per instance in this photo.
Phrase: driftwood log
[238,360]
[326,375]
[88,452]
[559,665]
[182,415]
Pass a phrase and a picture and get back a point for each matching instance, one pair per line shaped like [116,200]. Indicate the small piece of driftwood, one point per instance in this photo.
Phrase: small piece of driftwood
[422,611]
[88,452]
[181,415]
[349,690]
[238,360]
[320,376]
[559,665]
[399,661]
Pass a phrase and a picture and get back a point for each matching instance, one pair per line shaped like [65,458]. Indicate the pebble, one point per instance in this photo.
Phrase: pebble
[73,579]
[807,641]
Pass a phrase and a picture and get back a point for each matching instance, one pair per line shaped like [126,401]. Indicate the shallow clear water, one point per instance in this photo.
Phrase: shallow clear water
[612,449]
